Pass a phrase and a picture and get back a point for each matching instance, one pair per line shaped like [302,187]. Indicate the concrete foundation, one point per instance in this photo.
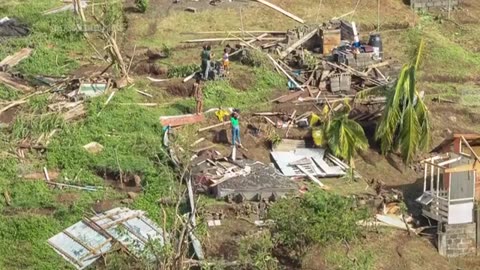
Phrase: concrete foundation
[457,239]
[425,4]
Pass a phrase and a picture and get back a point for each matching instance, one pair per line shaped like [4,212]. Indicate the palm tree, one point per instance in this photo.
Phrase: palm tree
[405,124]
[344,137]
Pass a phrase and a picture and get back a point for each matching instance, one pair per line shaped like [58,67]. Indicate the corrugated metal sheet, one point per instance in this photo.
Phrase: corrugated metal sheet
[317,166]
[83,242]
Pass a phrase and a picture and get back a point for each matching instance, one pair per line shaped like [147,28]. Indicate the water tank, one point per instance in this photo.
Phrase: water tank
[375,41]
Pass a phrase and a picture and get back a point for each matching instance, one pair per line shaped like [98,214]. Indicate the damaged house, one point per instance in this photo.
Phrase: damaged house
[450,193]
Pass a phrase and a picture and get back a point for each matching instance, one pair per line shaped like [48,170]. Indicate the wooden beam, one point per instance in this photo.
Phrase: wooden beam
[298,43]
[284,12]
[434,165]
[284,72]
[461,168]
[13,60]
[310,176]
[6,79]
[231,39]
[237,32]
[214,126]
[470,148]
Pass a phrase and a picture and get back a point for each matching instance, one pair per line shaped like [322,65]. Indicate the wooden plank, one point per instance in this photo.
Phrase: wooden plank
[461,168]
[310,176]
[181,120]
[270,121]
[214,126]
[144,93]
[83,244]
[6,79]
[284,12]
[237,32]
[289,97]
[13,60]
[284,72]
[298,43]
[470,148]
[61,251]
[231,39]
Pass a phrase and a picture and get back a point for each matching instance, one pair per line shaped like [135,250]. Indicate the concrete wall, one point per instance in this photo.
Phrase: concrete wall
[421,4]
[457,240]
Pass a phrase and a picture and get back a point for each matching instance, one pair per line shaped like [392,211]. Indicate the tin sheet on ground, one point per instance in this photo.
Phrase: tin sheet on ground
[85,241]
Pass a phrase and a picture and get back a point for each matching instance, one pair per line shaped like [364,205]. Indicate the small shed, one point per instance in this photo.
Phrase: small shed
[466,144]
[449,188]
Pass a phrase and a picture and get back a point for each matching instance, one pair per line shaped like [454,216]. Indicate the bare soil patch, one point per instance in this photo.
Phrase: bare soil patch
[8,116]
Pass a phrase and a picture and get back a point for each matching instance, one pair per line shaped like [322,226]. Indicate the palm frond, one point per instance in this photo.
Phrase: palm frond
[423,119]
[409,135]
[419,53]
[346,137]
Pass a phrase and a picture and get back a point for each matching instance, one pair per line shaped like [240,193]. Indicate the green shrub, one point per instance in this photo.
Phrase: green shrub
[141,5]
[318,217]
[182,71]
[256,252]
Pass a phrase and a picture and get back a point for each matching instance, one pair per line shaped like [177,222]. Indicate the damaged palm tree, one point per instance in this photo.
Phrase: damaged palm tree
[110,20]
[343,136]
[405,124]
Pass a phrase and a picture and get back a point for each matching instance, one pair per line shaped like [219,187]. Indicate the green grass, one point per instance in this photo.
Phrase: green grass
[222,94]
[7,93]
[53,38]
[358,259]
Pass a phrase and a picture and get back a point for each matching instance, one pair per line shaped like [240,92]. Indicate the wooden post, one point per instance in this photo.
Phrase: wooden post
[449,8]
[477,220]
[234,152]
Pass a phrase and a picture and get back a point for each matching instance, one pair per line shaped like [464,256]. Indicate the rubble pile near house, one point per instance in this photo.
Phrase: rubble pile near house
[239,180]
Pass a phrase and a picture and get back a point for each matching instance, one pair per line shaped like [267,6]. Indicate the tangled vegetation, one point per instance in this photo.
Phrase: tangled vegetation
[318,217]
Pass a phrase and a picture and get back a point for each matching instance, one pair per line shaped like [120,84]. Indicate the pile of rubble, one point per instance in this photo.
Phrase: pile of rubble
[238,180]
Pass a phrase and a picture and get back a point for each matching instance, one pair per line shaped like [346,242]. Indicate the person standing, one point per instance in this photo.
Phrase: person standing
[208,58]
[198,95]
[226,61]
[235,128]
[203,57]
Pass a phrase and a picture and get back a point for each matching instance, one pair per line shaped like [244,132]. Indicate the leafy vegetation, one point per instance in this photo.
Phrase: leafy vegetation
[256,252]
[344,136]
[405,122]
[141,5]
[222,94]
[182,71]
[7,93]
[318,217]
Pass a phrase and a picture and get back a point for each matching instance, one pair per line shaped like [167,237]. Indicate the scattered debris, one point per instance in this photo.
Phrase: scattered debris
[8,199]
[180,120]
[93,147]
[294,159]
[72,6]
[92,89]
[13,60]
[286,13]
[12,28]
[84,242]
